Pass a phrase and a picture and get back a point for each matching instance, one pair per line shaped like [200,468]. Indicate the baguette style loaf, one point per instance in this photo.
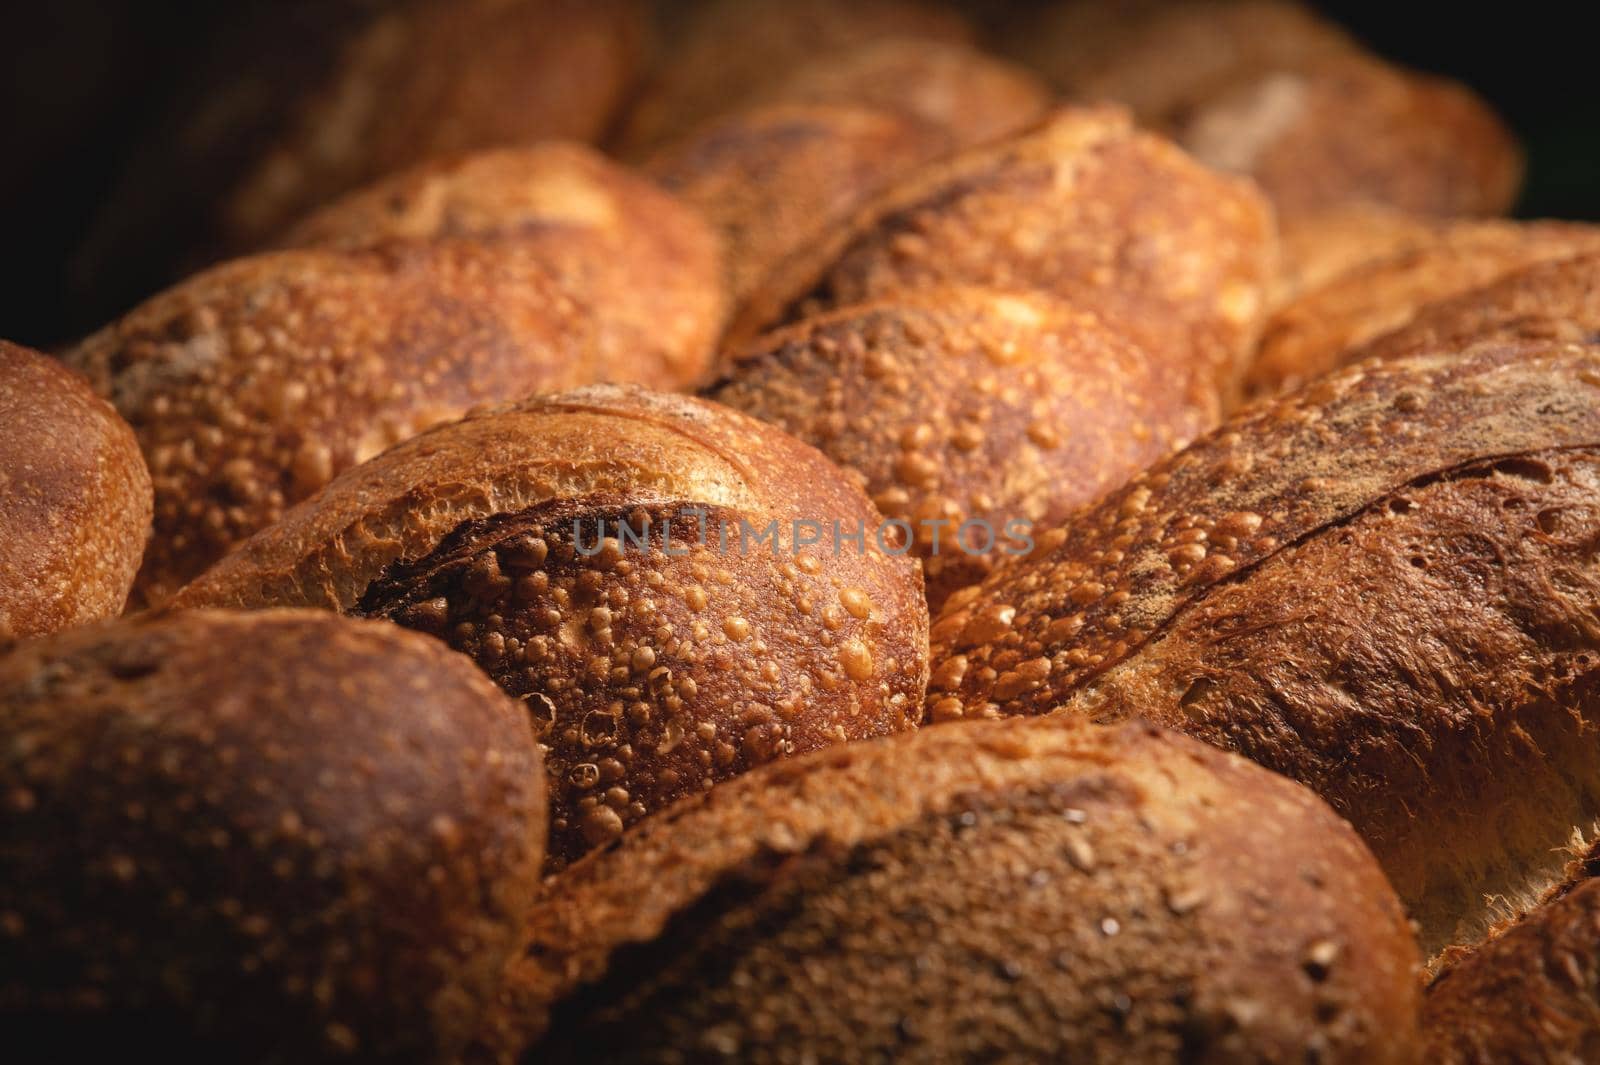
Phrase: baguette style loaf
[993,413]
[557,543]
[1320,246]
[268,837]
[1006,891]
[1083,208]
[1382,586]
[74,499]
[252,384]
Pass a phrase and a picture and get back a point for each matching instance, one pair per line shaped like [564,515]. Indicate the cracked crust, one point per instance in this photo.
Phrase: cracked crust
[74,499]
[1028,890]
[649,675]
[274,836]
[1439,682]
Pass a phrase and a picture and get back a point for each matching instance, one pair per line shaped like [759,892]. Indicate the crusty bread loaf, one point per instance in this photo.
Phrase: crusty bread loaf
[1313,334]
[252,384]
[1319,246]
[649,672]
[1532,993]
[1381,585]
[718,55]
[969,405]
[1006,891]
[1085,208]
[272,837]
[74,499]
[774,178]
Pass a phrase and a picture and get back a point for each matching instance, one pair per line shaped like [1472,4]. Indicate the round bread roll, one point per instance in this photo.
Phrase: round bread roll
[1005,891]
[1381,586]
[1352,127]
[558,542]
[252,384]
[977,416]
[722,54]
[1083,208]
[74,499]
[1532,993]
[271,837]
[771,179]
[1316,332]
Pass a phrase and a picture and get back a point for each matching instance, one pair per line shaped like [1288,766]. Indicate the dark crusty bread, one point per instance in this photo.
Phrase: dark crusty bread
[969,404]
[268,837]
[773,178]
[1004,891]
[718,55]
[74,499]
[1381,585]
[1529,995]
[650,674]
[1315,332]
[1083,207]
[252,384]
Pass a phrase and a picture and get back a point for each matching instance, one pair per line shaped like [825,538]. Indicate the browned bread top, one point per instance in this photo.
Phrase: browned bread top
[958,405]
[652,666]
[1083,207]
[74,499]
[1028,890]
[1319,246]
[279,836]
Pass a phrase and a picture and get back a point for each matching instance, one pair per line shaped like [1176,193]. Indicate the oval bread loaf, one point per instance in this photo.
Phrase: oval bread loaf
[268,837]
[558,542]
[1381,585]
[1018,890]
[74,499]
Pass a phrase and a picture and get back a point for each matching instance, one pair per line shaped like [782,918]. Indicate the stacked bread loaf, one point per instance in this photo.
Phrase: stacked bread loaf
[760,532]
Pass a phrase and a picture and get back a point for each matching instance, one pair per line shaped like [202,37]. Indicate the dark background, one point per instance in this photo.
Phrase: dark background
[82,81]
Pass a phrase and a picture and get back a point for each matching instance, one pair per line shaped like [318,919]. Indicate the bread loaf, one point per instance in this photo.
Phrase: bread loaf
[272,837]
[977,417]
[252,384]
[1082,208]
[652,667]
[74,499]
[1319,246]
[1008,891]
[1381,586]
[1315,332]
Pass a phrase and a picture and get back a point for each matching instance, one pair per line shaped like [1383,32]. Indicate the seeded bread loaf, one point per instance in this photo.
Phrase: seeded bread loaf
[652,664]
[1006,891]
[1381,586]
[272,837]
[74,499]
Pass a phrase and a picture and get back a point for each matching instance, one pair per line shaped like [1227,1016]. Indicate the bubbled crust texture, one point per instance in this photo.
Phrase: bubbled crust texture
[1019,890]
[772,179]
[1084,208]
[74,499]
[1314,333]
[269,837]
[252,384]
[649,676]
[962,403]
[1379,586]
[438,77]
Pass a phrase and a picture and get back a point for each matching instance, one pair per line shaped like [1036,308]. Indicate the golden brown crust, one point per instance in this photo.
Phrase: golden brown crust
[724,53]
[963,404]
[252,384]
[773,178]
[1314,333]
[74,499]
[441,77]
[650,675]
[276,836]
[1084,208]
[1019,890]
[1319,246]
[1375,586]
